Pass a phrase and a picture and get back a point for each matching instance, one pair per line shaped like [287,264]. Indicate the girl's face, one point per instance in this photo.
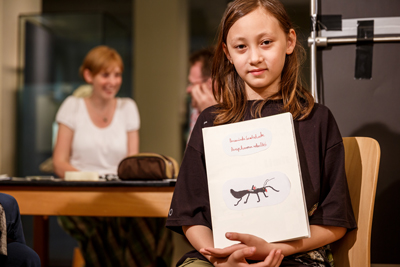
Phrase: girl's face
[106,83]
[257,46]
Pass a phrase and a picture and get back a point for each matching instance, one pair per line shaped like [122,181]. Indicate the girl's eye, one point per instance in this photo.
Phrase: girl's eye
[240,47]
[266,42]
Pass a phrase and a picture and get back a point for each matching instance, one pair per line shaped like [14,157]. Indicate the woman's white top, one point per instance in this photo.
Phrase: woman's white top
[93,148]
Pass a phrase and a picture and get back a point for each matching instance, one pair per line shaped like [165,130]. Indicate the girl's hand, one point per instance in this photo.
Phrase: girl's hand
[274,259]
[263,248]
[221,252]
[238,259]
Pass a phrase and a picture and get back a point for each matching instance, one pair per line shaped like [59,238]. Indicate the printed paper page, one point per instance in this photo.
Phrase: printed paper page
[254,180]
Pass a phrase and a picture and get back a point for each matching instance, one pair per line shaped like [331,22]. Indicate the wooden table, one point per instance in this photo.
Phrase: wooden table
[52,198]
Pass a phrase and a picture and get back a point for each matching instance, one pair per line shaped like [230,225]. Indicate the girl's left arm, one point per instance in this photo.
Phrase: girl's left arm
[321,235]
[133,142]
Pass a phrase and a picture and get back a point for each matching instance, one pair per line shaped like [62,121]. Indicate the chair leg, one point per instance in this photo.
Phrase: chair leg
[78,260]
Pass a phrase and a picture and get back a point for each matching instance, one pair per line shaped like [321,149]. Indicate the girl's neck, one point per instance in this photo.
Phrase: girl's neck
[254,94]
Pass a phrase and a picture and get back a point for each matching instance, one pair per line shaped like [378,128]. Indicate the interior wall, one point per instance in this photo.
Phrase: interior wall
[161,48]
[160,65]
[9,13]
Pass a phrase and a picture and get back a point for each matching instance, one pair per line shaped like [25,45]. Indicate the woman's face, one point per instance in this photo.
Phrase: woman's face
[257,46]
[107,82]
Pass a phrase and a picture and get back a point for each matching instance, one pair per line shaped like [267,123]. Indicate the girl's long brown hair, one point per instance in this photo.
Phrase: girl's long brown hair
[228,86]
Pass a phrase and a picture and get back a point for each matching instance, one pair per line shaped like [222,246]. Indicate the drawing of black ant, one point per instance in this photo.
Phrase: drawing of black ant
[253,190]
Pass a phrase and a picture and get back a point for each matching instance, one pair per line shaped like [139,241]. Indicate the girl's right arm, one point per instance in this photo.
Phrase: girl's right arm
[62,151]
[199,236]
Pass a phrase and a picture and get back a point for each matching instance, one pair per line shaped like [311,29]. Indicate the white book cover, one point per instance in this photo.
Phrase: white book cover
[254,180]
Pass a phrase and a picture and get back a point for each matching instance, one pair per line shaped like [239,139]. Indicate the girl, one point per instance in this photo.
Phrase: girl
[256,74]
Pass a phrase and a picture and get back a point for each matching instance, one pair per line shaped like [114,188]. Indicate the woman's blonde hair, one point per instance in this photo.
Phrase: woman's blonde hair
[229,86]
[99,58]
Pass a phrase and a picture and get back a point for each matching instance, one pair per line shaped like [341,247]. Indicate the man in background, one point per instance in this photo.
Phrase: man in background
[200,84]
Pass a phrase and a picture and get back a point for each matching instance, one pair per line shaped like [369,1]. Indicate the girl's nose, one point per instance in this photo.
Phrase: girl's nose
[255,56]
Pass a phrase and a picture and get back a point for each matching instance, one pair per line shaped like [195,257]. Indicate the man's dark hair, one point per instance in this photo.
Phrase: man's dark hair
[205,56]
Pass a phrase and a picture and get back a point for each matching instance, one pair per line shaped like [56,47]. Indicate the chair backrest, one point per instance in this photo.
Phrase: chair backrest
[362,157]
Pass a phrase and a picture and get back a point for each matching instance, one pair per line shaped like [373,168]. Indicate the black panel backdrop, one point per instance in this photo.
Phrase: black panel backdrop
[369,108]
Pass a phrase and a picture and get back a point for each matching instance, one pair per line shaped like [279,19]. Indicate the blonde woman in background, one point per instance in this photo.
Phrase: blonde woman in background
[95,134]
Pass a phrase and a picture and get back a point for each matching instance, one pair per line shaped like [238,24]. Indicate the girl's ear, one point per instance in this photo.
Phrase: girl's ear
[291,42]
[87,75]
[228,56]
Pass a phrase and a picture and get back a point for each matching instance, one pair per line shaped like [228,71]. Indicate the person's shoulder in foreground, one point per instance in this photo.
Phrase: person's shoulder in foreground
[18,254]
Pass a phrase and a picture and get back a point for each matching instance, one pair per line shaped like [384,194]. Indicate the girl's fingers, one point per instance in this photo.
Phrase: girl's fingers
[273,259]
[280,260]
[241,254]
[277,258]
[238,237]
[250,240]
[269,259]
[216,252]
[221,252]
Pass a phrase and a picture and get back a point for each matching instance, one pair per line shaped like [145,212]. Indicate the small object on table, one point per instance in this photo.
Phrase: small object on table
[81,176]
[39,178]
[4,177]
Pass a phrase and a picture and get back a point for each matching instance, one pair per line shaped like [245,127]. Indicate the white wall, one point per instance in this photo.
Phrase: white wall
[160,72]
[9,13]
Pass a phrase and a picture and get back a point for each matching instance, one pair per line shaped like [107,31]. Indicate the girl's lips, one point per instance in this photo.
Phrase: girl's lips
[257,71]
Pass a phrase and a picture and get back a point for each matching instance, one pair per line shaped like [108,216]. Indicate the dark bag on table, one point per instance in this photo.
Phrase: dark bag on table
[148,166]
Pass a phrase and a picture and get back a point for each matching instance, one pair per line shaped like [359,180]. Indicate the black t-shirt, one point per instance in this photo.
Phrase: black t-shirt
[321,154]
